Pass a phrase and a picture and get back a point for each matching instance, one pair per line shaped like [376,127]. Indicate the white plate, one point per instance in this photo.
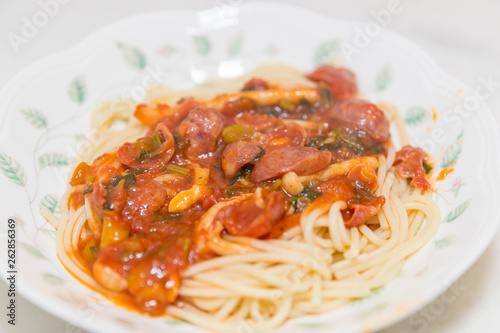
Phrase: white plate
[44,119]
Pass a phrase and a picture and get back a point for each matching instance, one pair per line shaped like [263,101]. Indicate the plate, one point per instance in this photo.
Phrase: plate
[44,124]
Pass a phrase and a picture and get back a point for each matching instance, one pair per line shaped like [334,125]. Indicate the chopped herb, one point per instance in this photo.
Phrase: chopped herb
[156,140]
[217,166]
[362,193]
[358,147]
[93,249]
[108,206]
[427,167]
[351,144]
[276,185]
[129,179]
[325,94]
[276,111]
[87,191]
[148,147]
[330,146]
[336,133]
[179,141]
[304,101]
[287,105]
[162,251]
[237,132]
[177,170]
[272,111]
[377,148]
[259,155]
[313,141]
[144,155]
[90,180]
[242,173]
[305,108]
[233,190]
[166,217]
[299,203]
[250,88]
[310,193]
[293,202]
[190,179]
[304,199]
[218,143]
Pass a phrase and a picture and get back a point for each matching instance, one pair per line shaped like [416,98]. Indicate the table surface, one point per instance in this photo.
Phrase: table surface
[462,36]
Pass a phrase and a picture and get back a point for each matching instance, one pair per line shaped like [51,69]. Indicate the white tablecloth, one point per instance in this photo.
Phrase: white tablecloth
[462,36]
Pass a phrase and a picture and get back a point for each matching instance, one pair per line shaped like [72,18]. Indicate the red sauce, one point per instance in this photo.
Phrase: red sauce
[445,173]
[135,234]
[409,164]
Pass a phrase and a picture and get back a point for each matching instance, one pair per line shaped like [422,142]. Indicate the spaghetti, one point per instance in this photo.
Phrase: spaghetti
[285,199]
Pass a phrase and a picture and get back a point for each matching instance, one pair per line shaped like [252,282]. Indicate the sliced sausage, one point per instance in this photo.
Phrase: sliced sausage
[360,206]
[361,213]
[256,120]
[290,134]
[364,115]
[342,82]
[180,111]
[301,160]
[201,128]
[253,217]
[233,108]
[150,115]
[144,198]
[237,154]
[255,83]
[409,164]
[143,155]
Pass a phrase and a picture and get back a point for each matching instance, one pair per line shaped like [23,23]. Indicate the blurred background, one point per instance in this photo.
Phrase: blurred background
[462,36]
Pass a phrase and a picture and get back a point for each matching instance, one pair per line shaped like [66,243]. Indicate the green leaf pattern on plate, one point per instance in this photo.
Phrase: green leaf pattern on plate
[50,202]
[383,78]
[77,90]
[19,221]
[457,185]
[445,242]
[133,56]
[79,137]
[12,169]
[201,44]
[235,46]
[33,250]
[173,321]
[53,160]
[417,115]
[35,118]
[326,52]
[167,50]
[373,293]
[52,279]
[457,211]
[271,49]
[52,234]
[452,153]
